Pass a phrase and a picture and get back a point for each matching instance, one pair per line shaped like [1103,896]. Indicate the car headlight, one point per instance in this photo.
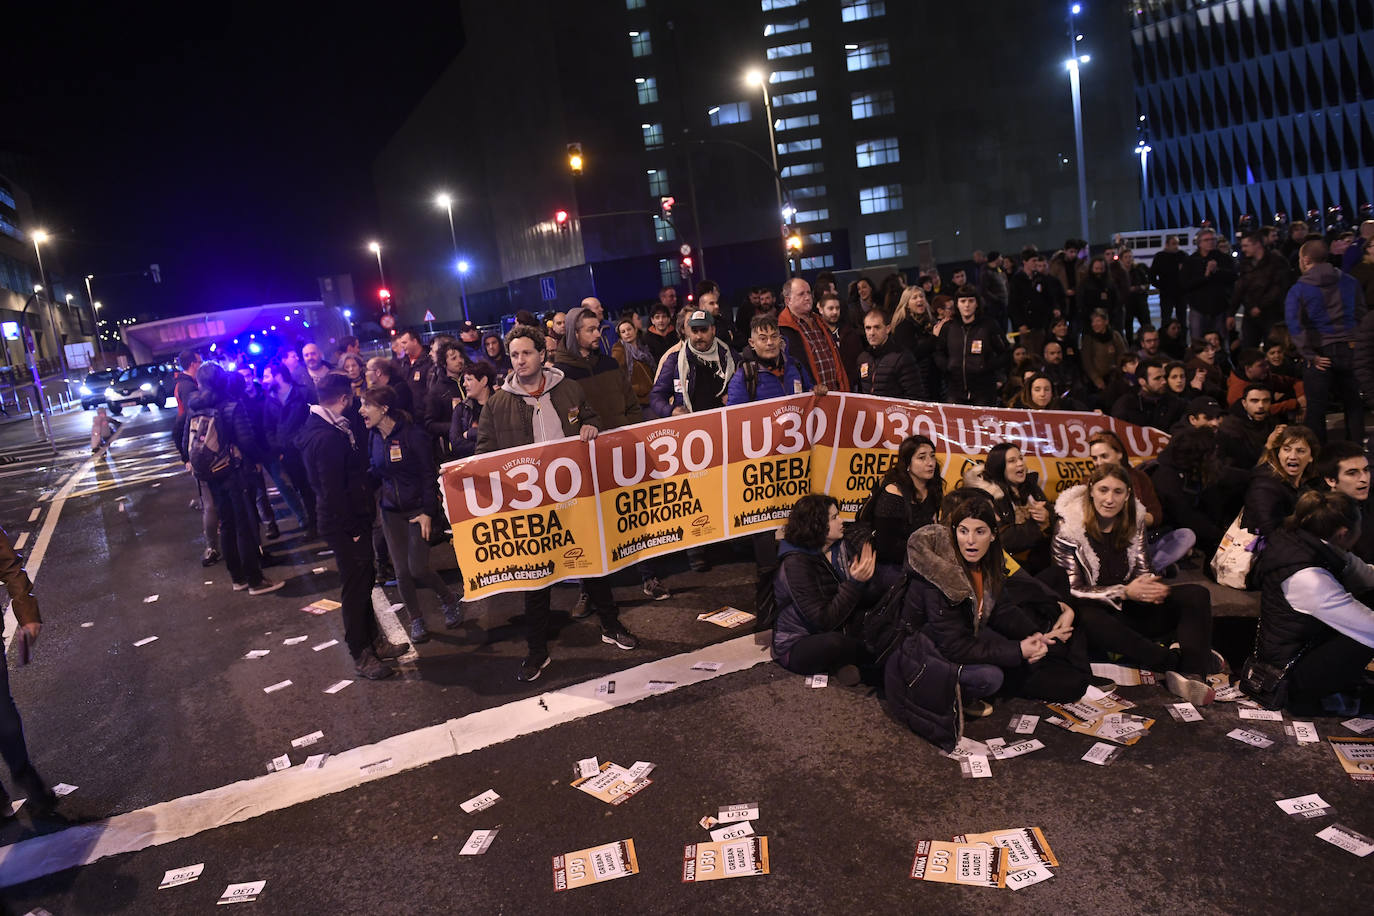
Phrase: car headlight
[85,392]
[146,386]
[111,393]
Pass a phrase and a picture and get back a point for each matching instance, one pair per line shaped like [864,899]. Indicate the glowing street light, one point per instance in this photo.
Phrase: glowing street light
[41,237]
[376,248]
[463,268]
[444,202]
[756,78]
[1072,64]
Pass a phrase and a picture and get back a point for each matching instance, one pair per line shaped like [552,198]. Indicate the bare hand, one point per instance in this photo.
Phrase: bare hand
[679,411]
[1302,400]
[588,433]
[1063,626]
[861,567]
[1211,268]
[820,390]
[1147,589]
[32,629]
[1322,363]
[425,524]
[1199,378]
[1037,511]
[1033,647]
[1274,436]
[938,325]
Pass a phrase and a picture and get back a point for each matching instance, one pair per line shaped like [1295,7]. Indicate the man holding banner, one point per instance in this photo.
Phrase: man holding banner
[538,404]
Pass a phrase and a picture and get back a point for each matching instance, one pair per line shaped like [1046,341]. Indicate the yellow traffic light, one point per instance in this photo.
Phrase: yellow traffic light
[575,158]
[794,243]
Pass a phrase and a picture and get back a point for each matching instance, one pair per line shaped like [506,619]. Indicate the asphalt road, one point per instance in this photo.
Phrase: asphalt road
[1185,820]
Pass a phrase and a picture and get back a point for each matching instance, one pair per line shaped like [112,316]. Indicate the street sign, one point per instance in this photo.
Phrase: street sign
[547,290]
[685,249]
[429,316]
[388,321]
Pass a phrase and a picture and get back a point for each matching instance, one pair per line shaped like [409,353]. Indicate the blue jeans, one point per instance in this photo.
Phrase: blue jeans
[1319,384]
[980,681]
[287,491]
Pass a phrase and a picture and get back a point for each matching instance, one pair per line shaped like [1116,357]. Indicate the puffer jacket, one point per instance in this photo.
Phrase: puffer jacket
[1268,501]
[889,372]
[754,382]
[1076,555]
[1284,632]
[922,690]
[813,595]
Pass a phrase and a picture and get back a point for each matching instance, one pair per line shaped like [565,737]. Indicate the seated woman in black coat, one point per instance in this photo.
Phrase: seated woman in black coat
[1276,482]
[905,500]
[818,589]
[956,597]
[1024,519]
[1121,604]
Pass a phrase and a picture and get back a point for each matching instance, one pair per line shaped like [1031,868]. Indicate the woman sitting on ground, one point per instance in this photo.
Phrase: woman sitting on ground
[1170,546]
[1313,631]
[1024,520]
[956,598]
[818,589]
[905,500]
[1280,477]
[1121,604]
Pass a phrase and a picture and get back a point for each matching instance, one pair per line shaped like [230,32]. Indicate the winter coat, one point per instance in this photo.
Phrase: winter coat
[1019,533]
[1077,555]
[789,325]
[1324,307]
[1208,295]
[972,356]
[417,376]
[1242,439]
[1160,412]
[1263,284]
[508,419]
[1364,356]
[438,409]
[17,583]
[402,465]
[1268,501]
[667,391]
[641,374]
[1100,355]
[285,419]
[606,386]
[338,474]
[812,596]
[922,690]
[1096,293]
[889,372]
[462,430]
[1034,300]
[1166,273]
[1284,633]
[752,383]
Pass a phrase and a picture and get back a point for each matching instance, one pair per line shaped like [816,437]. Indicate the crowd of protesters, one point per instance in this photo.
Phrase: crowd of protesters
[1252,352]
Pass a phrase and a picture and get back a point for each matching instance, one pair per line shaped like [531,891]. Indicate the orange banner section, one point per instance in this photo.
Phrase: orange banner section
[528,517]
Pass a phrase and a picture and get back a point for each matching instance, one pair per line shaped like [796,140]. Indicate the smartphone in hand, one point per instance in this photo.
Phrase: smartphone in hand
[24,649]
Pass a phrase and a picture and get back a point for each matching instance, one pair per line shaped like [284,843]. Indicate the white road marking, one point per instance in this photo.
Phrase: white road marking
[33,516]
[391,627]
[20,541]
[192,814]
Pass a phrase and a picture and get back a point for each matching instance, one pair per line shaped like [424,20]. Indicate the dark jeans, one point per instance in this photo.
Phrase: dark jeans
[288,492]
[1060,677]
[238,528]
[295,469]
[537,610]
[765,544]
[1171,306]
[353,556]
[978,681]
[1332,666]
[12,746]
[1319,384]
[1199,323]
[822,653]
[1134,631]
[410,553]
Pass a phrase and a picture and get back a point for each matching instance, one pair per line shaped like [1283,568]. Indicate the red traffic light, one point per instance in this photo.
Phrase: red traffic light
[667,203]
[384,294]
[560,217]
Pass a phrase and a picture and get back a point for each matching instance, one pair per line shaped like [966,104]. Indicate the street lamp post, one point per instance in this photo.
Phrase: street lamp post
[463,268]
[95,320]
[376,248]
[445,201]
[756,78]
[39,238]
[1075,59]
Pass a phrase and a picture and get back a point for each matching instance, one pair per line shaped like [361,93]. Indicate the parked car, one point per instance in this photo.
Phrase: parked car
[139,385]
[93,388]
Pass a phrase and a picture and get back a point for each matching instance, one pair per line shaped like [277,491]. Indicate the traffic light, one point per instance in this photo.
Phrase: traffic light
[794,244]
[686,266]
[560,217]
[667,203]
[385,296]
[575,158]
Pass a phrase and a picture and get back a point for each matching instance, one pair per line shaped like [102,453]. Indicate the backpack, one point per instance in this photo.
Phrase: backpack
[212,456]
[884,625]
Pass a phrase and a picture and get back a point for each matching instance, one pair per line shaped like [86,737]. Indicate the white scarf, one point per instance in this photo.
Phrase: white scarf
[718,359]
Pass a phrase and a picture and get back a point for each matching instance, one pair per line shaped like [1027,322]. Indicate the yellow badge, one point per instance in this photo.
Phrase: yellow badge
[395,451]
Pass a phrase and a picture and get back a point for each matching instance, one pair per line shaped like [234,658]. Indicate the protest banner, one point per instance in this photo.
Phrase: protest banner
[528,517]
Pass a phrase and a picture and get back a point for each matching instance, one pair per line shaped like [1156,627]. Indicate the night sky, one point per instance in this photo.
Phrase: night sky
[236,153]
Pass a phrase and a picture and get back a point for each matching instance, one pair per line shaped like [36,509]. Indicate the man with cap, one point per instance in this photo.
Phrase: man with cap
[693,374]
[471,339]
[1199,411]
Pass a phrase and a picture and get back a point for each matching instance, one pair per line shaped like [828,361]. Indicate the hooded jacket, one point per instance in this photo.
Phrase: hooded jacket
[813,596]
[1077,555]
[508,419]
[1324,307]
[753,381]
[889,372]
[605,384]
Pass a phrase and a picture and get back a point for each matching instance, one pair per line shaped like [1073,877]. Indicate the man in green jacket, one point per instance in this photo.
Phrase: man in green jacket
[539,404]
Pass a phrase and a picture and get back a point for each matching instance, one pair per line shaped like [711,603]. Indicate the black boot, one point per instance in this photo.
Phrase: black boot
[41,800]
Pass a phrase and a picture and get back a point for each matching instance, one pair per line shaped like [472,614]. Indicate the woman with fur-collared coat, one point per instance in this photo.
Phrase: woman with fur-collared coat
[1122,605]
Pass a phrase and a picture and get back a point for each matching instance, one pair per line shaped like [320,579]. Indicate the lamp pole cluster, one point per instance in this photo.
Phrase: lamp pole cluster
[443,201]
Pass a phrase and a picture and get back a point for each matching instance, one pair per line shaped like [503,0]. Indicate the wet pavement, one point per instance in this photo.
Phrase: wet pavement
[1184,820]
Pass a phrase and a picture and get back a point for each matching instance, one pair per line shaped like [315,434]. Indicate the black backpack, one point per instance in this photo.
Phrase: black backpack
[884,625]
[212,455]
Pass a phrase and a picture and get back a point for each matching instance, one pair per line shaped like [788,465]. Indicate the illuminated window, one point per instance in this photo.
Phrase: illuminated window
[877,152]
[653,135]
[803,168]
[794,98]
[854,10]
[730,113]
[770,5]
[787,76]
[647,89]
[796,50]
[881,245]
[641,46]
[867,55]
[825,260]
[880,199]
[799,146]
[812,216]
[658,182]
[871,104]
[815,190]
[663,230]
[818,238]
[634,4]
[790,25]
[799,121]
[669,274]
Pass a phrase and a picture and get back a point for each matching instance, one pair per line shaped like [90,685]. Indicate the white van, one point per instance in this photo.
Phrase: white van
[1146,243]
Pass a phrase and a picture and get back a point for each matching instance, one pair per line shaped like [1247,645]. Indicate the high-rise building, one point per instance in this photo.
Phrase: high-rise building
[1254,108]
[904,133]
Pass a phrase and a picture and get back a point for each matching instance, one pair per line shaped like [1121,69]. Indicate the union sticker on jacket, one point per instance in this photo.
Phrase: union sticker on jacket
[796,384]
[573,414]
[975,346]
